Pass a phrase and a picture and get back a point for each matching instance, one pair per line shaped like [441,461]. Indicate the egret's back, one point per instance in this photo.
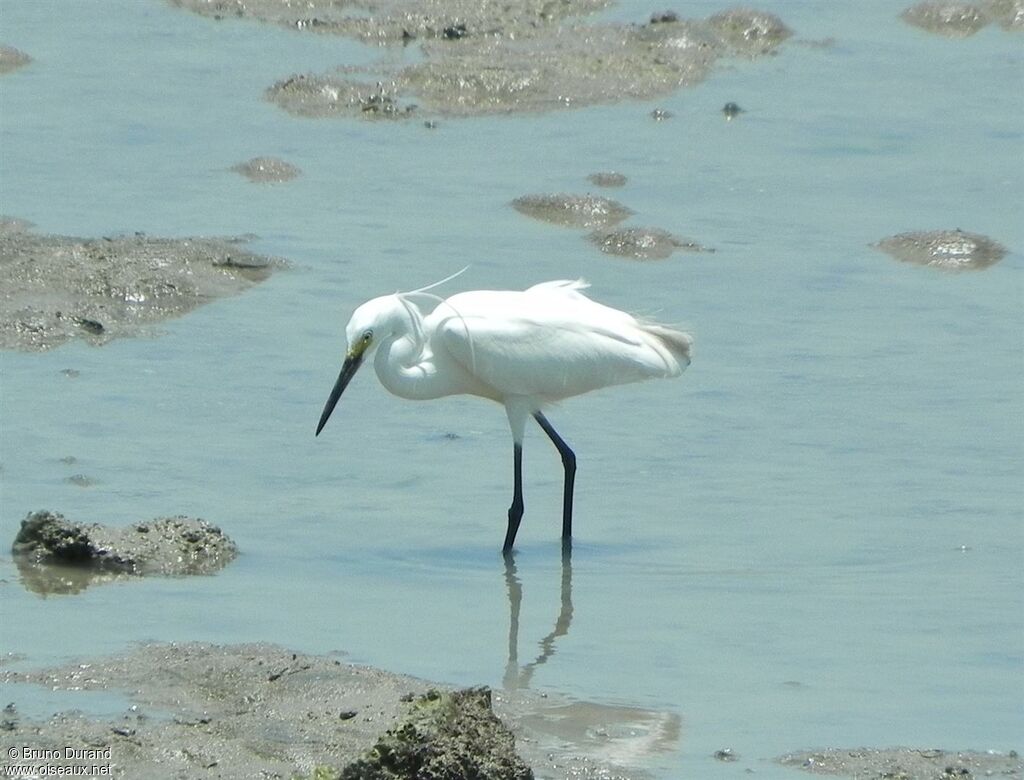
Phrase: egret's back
[551,342]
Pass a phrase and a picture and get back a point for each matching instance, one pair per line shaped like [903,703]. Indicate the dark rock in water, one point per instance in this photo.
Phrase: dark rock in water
[607,179]
[954,20]
[12,59]
[947,250]
[665,17]
[168,545]
[731,111]
[57,288]
[268,170]
[642,243]
[581,211]
[444,735]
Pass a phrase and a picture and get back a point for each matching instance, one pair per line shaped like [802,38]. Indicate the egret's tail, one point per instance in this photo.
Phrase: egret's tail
[678,343]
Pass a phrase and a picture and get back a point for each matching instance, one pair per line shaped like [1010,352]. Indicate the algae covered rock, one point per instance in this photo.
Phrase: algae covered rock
[445,736]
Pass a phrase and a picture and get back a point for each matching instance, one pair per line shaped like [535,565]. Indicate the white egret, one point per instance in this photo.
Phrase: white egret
[525,350]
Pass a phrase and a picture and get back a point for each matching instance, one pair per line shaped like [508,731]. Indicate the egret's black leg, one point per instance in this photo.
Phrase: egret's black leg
[515,512]
[569,464]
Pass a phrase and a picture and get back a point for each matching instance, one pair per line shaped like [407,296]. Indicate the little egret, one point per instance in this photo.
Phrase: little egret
[525,350]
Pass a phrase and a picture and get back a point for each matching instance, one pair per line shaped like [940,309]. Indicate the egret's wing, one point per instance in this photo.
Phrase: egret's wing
[549,357]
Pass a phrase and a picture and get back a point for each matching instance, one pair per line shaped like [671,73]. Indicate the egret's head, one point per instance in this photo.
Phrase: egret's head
[372,323]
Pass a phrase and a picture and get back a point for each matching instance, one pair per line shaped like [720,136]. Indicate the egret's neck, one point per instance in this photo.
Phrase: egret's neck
[401,368]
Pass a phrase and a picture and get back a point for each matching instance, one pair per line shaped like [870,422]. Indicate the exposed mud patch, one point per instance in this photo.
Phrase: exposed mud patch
[267,170]
[947,250]
[906,763]
[57,288]
[749,32]
[961,20]
[578,211]
[400,21]
[639,243]
[472,68]
[257,710]
[166,546]
[323,95]
[11,59]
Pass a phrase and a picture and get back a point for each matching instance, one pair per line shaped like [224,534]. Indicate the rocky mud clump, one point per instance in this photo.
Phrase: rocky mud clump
[947,250]
[12,59]
[440,732]
[267,170]
[166,545]
[638,243]
[961,20]
[578,211]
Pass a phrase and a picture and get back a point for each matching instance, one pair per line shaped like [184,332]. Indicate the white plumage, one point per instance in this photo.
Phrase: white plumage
[524,350]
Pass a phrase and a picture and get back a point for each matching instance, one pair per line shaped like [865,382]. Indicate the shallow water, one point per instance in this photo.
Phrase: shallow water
[813,538]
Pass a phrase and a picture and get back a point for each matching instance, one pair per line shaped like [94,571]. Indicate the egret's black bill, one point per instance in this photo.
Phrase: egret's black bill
[348,370]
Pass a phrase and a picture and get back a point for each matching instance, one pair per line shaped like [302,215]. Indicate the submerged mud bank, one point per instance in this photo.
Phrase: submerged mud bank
[57,555]
[11,59]
[946,250]
[267,170]
[473,67]
[57,288]
[257,710]
[639,243]
[594,211]
[961,20]
[577,211]
[906,763]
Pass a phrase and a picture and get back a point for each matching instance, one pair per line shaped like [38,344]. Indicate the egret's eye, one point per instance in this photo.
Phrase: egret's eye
[367,336]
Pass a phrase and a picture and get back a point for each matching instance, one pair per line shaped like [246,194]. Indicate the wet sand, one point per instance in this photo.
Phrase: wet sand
[244,711]
[907,763]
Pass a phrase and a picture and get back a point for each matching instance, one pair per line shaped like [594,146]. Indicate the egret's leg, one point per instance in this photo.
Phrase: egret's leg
[569,464]
[515,512]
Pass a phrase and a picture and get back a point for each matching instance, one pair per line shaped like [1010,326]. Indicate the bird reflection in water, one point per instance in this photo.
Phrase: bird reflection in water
[572,738]
[516,677]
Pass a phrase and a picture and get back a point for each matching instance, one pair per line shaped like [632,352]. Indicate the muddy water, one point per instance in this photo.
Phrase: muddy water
[813,538]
